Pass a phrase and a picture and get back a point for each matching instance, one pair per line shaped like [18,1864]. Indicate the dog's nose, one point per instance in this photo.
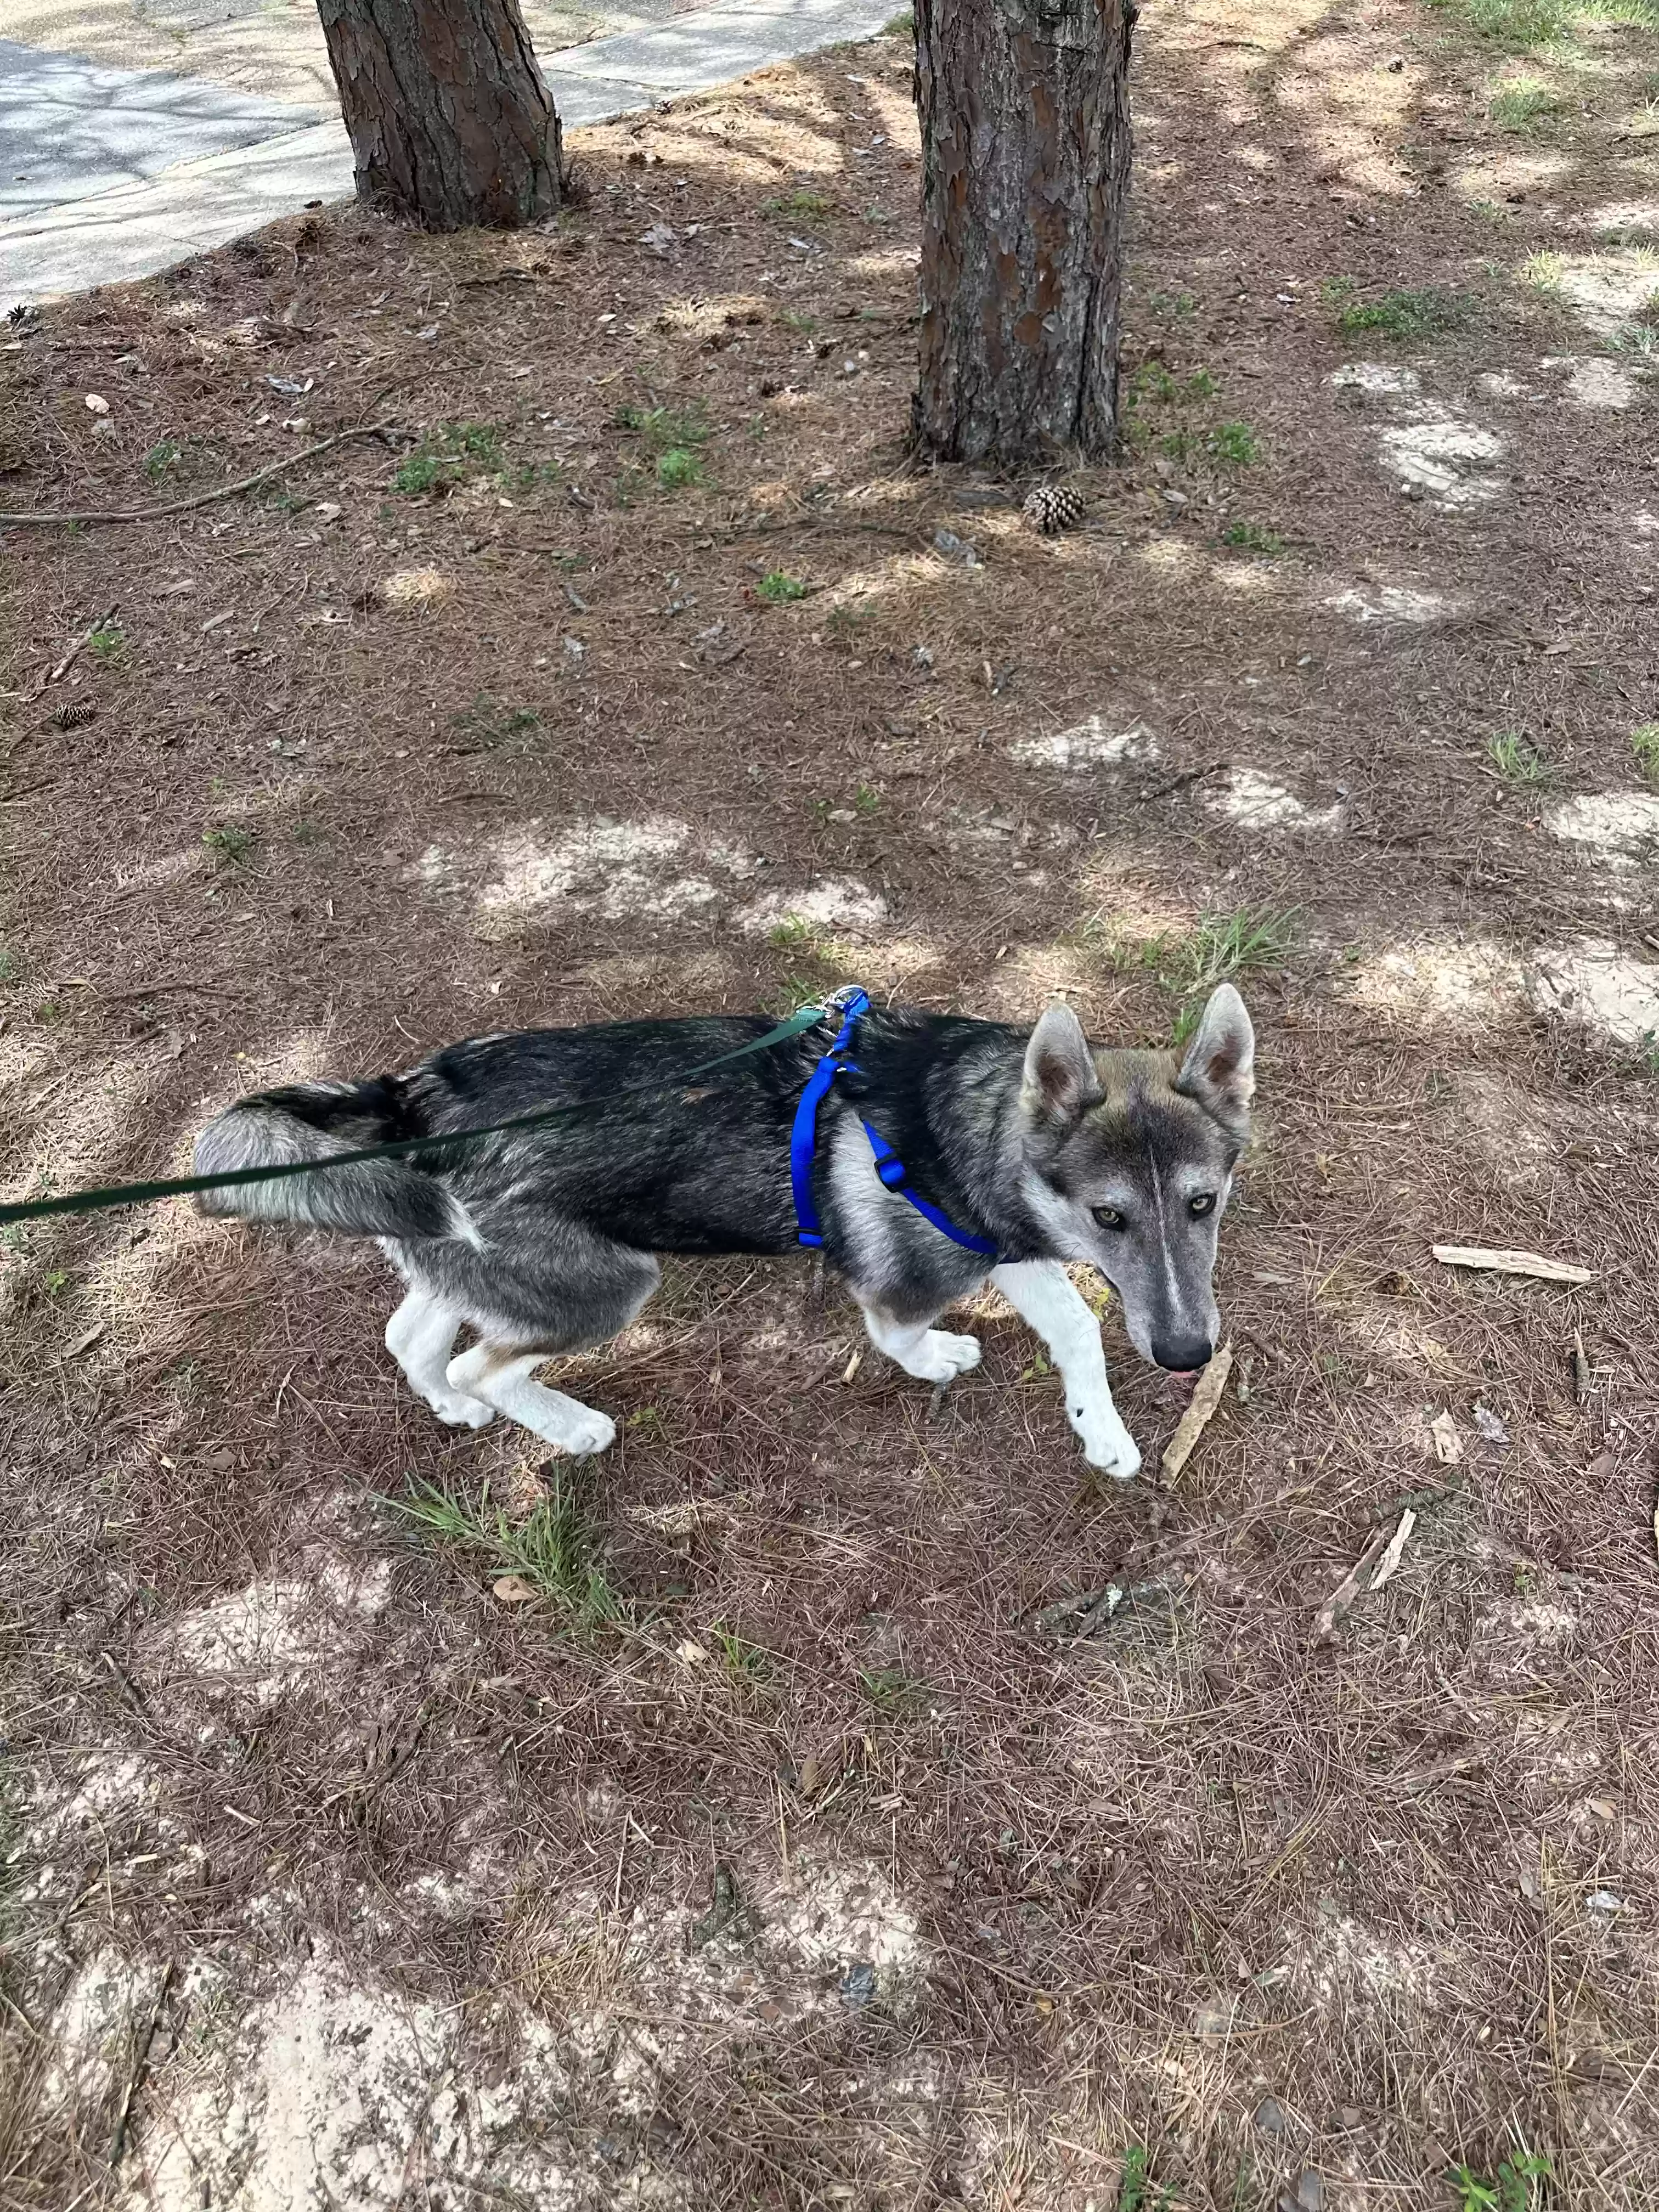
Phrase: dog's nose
[1181,1354]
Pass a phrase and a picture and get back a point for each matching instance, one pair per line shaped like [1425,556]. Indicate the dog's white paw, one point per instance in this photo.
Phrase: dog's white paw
[458,1410]
[940,1357]
[1107,1443]
[577,1432]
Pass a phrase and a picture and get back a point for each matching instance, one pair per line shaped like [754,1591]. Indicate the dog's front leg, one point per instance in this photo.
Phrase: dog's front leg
[1043,1294]
[933,1355]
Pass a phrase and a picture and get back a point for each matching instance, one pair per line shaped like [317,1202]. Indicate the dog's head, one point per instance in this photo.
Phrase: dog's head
[1129,1159]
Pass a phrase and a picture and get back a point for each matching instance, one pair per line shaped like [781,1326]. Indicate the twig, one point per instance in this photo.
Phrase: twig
[1396,1545]
[86,637]
[1349,1589]
[1179,782]
[1505,1262]
[1581,1370]
[118,2141]
[201,499]
[1197,1418]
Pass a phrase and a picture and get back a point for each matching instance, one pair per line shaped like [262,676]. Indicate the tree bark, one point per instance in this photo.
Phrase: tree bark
[1025,173]
[450,121]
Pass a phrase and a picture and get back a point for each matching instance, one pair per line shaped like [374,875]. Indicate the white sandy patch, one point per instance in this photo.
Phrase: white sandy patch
[1391,602]
[617,868]
[1593,985]
[1378,380]
[1610,290]
[1450,982]
[1255,802]
[1500,385]
[274,1636]
[90,2037]
[1341,1959]
[1593,381]
[832,903]
[316,2097]
[1619,826]
[1517,1638]
[1646,523]
[1097,743]
[1441,460]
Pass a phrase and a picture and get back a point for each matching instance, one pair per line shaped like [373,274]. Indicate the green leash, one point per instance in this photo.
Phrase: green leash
[440,1149]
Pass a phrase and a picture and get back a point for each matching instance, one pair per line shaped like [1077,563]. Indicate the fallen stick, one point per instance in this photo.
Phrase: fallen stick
[1511,1263]
[141,2060]
[201,499]
[1197,1418]
[1348,1588]
[97,622]
[1396,1545]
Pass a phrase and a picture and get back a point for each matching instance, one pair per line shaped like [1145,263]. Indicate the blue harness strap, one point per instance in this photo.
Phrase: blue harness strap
[804,1137]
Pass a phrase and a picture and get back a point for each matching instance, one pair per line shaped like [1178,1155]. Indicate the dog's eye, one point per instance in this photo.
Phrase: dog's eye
[1203,1203]
[1108,1217]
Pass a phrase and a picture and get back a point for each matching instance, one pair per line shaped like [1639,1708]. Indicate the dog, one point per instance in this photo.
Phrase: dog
[1020,1153]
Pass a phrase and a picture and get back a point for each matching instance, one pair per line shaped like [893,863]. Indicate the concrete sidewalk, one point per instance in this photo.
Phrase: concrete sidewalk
[144,221]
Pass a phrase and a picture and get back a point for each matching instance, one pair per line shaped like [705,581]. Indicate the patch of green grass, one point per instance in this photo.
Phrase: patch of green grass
[1219,946]
[674,436]
[777,587]
[490,723]
[1518,101]
[1226,944]
[1232,445]
[161,457]
[230,842]
[553,1550]
[1520,24]
[749,1668]
[1172,303]
[793,319]
[1545,270]
[306,833]
[1253,537]
[108,643]
[866,800]
[1518,760]
[800,205]
[891,1691]
[794,933]
[448,453]
[902,26]
[11,967]
[1510,2190]
[1644,744]
[1417,313]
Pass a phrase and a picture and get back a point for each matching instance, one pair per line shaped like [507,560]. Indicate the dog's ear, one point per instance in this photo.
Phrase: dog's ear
[1220,1069]
[1060,1082]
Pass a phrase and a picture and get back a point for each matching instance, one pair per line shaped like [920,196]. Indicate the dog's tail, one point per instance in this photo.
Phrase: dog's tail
[312,1121]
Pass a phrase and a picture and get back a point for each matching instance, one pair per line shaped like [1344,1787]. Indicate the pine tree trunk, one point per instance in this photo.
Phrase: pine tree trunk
[1025,172]
[449,119]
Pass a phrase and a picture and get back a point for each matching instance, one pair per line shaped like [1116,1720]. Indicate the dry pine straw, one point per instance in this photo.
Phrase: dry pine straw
[1380,1852]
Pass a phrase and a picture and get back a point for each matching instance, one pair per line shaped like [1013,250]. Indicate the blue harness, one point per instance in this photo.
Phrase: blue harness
[851,1003]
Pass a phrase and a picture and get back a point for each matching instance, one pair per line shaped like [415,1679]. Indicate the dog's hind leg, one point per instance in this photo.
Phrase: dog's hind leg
[502,1379]
[420,1336]
[531,1305]
[1043,1294]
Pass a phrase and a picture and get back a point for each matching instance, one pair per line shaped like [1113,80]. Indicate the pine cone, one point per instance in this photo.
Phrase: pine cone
[1055,507]
[76,716]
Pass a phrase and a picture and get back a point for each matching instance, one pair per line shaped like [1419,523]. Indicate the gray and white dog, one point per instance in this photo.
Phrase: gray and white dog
[1043,1148]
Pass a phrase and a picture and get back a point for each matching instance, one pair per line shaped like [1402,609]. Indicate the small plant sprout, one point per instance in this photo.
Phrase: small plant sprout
[1253,537]
[777,587]
[230,842]
[1644,747]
